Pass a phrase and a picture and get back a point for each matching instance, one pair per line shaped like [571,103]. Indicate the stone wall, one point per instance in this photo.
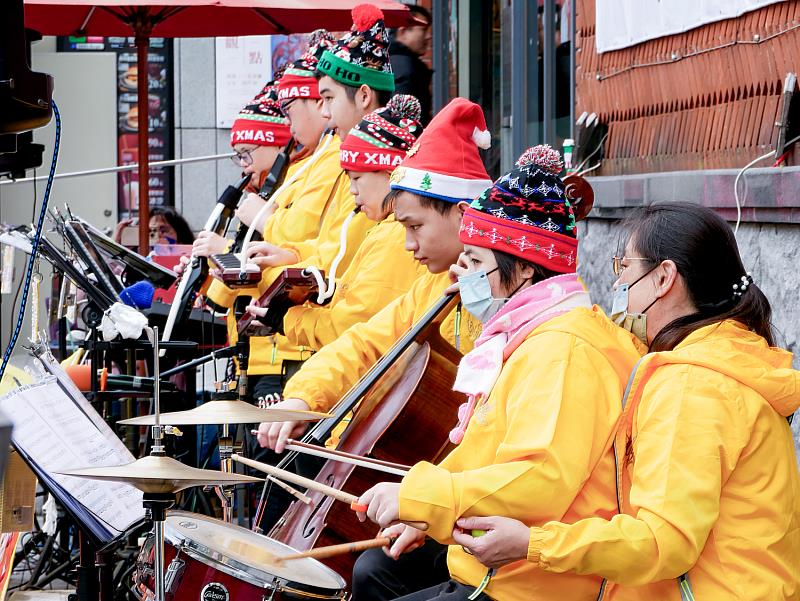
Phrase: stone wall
[770,252]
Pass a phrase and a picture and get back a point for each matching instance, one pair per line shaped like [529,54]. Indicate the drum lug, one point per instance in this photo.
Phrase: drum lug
[173,574]
[273,588]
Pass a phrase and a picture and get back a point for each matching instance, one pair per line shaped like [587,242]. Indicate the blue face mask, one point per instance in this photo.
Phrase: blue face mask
[476,295]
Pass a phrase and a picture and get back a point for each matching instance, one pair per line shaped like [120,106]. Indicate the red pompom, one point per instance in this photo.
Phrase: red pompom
[365,16]
[543,156]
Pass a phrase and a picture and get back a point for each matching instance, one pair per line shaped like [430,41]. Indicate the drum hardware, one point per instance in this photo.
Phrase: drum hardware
[174,572]
[159,477]
[222,561]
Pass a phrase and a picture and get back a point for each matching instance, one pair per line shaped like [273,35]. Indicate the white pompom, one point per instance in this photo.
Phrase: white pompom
[483,139]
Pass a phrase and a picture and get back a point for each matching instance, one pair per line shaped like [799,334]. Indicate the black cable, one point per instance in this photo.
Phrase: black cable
[35,245]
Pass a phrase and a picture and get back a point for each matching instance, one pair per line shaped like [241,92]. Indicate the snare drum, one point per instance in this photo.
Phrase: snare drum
[209,560]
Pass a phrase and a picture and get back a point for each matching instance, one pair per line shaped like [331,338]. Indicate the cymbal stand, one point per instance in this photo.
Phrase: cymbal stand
[226,446]
[226,465]
[157,504]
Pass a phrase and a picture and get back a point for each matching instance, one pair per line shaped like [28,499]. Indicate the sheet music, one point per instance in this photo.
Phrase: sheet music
[59,432]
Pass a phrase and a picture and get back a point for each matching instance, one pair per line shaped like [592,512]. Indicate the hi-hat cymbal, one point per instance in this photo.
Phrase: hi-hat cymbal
[159,474]
[226,412]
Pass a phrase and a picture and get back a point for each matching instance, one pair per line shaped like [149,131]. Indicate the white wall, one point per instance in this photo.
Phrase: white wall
[85,93]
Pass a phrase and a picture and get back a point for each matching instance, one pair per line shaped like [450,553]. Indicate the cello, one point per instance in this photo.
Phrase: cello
[405,409]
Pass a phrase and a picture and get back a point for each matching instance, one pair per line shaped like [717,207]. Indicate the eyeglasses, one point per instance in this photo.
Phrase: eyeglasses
[284,106]
[618,267]
[245,158]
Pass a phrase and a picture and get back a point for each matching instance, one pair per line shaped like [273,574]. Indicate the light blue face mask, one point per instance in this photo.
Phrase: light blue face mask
[476,295]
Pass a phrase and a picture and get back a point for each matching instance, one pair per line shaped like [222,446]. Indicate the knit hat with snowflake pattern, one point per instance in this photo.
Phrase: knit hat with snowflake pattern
[382,138]
[299,78]
[362,55]
[261,122]
[526,214]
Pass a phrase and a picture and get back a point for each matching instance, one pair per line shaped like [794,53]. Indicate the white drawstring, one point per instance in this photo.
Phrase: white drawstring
[326,292]
[325,141]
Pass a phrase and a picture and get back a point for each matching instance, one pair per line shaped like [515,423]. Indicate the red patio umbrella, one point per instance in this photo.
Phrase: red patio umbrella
[185,19]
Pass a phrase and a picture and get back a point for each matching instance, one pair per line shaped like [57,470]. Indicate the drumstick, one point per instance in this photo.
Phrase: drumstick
[292,491]
[333,550]
[310,484]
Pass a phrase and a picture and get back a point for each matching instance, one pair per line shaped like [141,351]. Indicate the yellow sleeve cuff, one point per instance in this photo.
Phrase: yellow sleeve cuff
[536,544]
[426,495]
[312,395]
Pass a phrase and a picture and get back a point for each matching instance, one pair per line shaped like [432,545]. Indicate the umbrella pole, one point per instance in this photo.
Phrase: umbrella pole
[142,101]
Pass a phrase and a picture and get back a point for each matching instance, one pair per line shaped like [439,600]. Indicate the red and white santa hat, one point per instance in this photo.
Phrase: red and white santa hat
[445,163]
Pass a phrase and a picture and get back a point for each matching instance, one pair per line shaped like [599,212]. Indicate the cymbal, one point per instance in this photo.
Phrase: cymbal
[226,412]
[159,474]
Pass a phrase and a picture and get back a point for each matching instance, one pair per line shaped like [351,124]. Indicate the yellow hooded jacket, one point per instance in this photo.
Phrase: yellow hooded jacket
[380,272]
[708,480]
[312,220]
[330,373]
[539,449]
[308,183]
[266,351]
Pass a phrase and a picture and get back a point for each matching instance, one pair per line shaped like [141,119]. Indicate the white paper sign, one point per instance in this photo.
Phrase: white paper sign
[243,66]
[624,23]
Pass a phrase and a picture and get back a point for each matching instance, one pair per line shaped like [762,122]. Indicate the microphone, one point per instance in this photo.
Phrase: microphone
[138,295]
[232,194]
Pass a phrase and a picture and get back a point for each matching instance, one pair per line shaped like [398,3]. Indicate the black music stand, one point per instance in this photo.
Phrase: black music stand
[137,267]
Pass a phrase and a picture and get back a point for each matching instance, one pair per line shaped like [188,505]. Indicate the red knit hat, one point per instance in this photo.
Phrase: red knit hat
[382,138]
[299,79]
[527,213]
[445,163]
[261,123]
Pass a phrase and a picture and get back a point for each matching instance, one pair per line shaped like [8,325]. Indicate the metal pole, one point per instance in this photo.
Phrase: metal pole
[158,527]
[572,63]
[549,84]
[441,79]
[519,77]
[143,101]
[120,168]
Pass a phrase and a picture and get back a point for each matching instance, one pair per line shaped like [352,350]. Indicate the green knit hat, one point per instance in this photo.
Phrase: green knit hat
[361,56]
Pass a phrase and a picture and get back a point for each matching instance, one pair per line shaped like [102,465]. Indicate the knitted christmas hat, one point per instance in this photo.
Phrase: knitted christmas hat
[444,163]
[361,56]
[381,139]
[299,79]
[261,122]
[526,214]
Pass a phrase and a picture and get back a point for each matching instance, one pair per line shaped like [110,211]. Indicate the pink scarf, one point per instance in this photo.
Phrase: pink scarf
[479,369]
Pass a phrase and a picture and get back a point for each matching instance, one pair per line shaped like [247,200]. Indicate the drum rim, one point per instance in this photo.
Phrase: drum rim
[237,569]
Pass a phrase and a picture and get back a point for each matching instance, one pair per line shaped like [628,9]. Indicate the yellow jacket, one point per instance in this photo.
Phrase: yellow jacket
[380,272]
[539,449]
[330,373]
[319,252]
[312,219]
[709,482]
